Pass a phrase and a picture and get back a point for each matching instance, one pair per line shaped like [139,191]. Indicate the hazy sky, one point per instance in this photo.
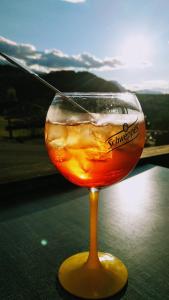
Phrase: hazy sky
[123,40]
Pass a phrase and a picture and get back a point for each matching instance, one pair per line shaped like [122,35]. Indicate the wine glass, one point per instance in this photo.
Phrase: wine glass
[94,150]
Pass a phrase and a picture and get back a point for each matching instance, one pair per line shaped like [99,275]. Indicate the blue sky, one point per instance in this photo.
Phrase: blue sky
[123,40]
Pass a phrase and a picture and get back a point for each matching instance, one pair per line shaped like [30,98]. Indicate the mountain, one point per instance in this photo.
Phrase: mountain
[66,81]
[149,91]
[70,81]
[121,88]
[16,86]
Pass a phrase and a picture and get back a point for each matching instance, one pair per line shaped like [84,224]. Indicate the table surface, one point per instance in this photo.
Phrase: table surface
[37,235]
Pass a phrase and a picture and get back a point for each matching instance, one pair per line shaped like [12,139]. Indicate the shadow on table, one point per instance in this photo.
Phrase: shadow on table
[67,296]
[22,198]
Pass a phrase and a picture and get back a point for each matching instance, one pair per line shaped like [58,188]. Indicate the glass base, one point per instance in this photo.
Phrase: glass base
[81,279]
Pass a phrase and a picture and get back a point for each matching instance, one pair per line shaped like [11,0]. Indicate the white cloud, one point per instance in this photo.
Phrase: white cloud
[161,86]
[74,1]
[55,59]
[16,50]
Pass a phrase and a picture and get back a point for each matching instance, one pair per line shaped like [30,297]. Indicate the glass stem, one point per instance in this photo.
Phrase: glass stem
[93,260]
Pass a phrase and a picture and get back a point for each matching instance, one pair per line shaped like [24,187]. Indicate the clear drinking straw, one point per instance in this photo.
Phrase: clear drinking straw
[36,76]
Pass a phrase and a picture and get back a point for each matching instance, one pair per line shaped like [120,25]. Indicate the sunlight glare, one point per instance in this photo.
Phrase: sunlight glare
[136,50]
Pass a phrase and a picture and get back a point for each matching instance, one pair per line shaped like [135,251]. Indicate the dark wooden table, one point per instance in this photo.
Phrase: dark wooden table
[37,235]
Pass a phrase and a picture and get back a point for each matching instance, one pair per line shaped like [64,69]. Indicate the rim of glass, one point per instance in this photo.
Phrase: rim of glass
[109,94]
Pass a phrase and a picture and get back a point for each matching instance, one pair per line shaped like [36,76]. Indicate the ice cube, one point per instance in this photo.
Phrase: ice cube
[79,136]
[98,154]
[56,133]
[86,137]
[73,136]
[102,133]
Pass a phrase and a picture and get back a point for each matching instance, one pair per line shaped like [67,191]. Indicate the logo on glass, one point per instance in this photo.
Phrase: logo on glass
[124,136]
